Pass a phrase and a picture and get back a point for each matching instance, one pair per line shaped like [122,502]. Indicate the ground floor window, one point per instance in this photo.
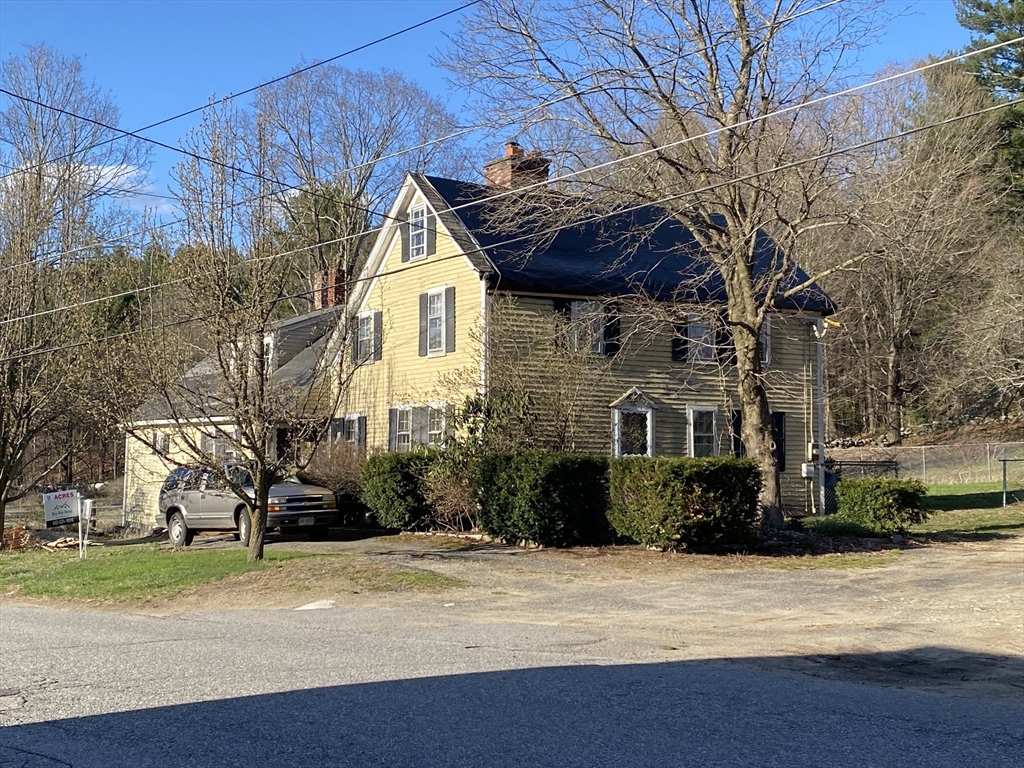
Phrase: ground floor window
[703,424]
[632,431]
[412,426]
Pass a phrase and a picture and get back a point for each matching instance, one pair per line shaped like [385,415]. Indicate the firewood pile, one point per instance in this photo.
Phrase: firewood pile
[65,542]
[17,537]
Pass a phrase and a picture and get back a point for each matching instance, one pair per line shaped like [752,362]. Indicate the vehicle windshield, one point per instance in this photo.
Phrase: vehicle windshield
[240,476]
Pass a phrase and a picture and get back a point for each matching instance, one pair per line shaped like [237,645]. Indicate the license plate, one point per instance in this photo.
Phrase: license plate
[306,520]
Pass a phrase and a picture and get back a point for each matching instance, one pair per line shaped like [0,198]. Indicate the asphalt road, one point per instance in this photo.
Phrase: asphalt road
[417,687]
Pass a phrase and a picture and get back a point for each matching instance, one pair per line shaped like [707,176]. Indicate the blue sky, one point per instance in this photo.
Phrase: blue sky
[159,58]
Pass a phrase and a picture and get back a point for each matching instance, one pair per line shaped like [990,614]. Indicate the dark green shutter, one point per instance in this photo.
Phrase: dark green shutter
[378,332]
[680,342]
[611,330]
[361,431]
[392,429]
[779,437]
[403,230]
[431,233]
[449,320]
[423,325]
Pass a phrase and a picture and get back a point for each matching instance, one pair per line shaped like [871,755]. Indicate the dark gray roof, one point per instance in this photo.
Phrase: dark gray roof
[643,250]
[301,342]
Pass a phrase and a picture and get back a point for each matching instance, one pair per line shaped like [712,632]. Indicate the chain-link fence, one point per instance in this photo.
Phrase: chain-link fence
[1013,480]
[942,464]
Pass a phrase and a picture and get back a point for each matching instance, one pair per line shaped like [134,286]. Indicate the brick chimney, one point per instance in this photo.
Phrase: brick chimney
[328,289]
[517,168]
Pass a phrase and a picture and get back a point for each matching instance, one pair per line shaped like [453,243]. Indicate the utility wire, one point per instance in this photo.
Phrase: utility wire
[551,230]
[527,187]
[397,153]
[255,88]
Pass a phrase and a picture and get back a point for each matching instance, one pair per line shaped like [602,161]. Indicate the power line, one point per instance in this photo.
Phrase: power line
[555,229]
[254,88]
[397,153]
[520,189]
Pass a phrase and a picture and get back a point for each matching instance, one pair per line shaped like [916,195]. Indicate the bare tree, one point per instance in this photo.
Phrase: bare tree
[220,379]
[60,196]
[346,138]
[701,103]
[923,205]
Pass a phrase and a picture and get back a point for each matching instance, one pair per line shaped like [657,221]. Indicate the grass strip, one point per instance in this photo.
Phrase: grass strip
[123,574]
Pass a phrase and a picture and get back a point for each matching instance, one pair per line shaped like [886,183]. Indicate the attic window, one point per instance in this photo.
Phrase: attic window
[418,232]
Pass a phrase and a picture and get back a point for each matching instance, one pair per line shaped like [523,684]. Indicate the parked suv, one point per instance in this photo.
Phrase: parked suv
[193,501]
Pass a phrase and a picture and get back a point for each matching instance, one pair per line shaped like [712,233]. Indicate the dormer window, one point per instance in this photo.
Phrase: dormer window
[417,232]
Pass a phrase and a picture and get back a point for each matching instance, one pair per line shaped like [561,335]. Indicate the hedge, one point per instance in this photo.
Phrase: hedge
[551,499]
[394,491]
[684,503]
[880,505]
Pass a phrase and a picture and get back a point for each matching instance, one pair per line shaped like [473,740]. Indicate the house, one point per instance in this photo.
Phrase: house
[189,425]
[449,305]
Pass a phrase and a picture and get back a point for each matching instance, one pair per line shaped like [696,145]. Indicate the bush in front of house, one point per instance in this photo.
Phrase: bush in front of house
[880,505]
[687,503]
[394,491]
[551,499]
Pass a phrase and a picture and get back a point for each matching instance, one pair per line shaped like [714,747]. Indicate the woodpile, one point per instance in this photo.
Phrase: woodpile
[17,537]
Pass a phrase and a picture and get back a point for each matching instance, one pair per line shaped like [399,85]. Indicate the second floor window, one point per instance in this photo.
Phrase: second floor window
[364,340]
[417,233]
[435,322]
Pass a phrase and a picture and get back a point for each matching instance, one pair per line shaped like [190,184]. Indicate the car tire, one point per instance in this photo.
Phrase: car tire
[244,526]
[318,533]
[178,531]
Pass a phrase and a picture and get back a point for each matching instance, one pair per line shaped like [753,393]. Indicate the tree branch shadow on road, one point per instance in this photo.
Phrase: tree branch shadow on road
[739,712]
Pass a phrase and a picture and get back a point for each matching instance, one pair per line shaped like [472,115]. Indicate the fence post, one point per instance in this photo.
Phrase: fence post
[924,467]
[988,455]
[1005,464]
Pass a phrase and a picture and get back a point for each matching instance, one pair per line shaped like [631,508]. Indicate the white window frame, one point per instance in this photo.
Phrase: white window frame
[588,317]
[269,354]
[765,341]
[417,232]
[365,352]
[694,409]
[350,429]
[160,442]
[439,293]
[617,428]
[441,412]
[702,347]
[406,412]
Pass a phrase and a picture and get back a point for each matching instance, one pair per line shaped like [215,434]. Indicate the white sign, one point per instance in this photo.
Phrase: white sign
[61,508]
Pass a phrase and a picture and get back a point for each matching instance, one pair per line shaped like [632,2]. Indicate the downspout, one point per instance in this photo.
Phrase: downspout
[124,484]
[484,331]
[819,332]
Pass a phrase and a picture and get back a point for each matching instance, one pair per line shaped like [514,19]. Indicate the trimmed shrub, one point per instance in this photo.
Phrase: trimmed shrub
[551,499]
[881,505]
[394,491]
[684,503]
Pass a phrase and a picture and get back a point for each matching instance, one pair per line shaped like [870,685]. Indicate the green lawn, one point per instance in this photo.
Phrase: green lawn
[124,573]
[972,524]
[964,496]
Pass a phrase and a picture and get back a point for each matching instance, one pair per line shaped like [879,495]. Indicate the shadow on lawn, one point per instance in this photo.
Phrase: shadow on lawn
[753,712]
[951,502]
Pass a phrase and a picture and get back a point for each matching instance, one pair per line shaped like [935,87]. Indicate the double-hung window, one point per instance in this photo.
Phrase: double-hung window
[435,322]
[435,427]
[364,338]
[588,326]
[403,430]
[703,431]
[417,232]
[700,334]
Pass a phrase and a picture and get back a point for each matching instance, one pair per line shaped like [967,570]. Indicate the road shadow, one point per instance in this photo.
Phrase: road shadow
[626,716]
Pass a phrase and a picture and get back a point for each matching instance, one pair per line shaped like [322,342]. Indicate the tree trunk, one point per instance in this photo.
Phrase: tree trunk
[3,518]
[756,417]
[893,397]
[258,515]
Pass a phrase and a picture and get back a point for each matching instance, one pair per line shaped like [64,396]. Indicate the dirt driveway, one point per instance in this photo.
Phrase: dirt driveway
[945,618]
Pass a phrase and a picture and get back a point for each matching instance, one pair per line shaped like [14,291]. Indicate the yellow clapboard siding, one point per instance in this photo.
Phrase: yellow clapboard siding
[402,377]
